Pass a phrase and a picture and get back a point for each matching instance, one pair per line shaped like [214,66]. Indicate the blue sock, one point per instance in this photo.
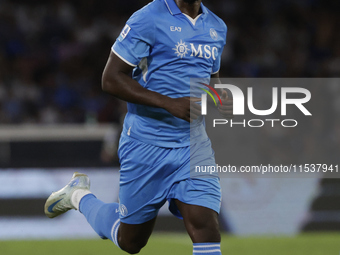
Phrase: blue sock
[207,249]
[103,218]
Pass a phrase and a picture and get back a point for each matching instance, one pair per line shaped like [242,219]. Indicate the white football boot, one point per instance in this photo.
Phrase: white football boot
[60,201]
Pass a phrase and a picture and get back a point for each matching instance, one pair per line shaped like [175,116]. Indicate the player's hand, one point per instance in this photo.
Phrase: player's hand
[226,109]
[184,108]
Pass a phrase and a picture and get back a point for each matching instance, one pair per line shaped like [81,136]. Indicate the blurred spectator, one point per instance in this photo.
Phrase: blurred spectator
[52,54]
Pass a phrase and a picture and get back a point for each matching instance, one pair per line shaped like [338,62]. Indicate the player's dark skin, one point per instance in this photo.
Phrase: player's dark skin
[201,223]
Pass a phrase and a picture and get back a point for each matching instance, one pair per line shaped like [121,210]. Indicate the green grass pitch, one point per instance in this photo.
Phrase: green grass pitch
[178,244]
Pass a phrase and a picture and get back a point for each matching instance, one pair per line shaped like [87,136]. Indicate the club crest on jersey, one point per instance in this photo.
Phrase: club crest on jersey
[123,210]
[213,34]
[199,51]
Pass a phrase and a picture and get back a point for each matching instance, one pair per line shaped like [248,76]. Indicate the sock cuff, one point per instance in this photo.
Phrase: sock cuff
[114,232]
[77,196]
[207,248]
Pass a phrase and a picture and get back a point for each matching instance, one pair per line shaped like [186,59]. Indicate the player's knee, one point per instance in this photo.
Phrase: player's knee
[205,232]
[131,247]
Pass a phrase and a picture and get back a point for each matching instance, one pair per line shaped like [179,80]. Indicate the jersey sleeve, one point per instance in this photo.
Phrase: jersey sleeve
[136,38]
[217,63]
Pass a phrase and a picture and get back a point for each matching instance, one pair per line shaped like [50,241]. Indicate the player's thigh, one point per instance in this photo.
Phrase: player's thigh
[201,222]
[140,191]
[198,202]
[201,189]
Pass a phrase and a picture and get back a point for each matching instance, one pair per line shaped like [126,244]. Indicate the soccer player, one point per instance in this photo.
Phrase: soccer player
[165,44]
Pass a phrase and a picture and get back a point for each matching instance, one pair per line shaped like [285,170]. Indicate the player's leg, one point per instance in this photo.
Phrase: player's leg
[105,220]
[201,204]
[103,217]
[197,201]
[202,226]
[141,194]
[144,173]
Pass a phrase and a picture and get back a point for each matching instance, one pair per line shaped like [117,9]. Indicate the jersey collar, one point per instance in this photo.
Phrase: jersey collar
[174,10]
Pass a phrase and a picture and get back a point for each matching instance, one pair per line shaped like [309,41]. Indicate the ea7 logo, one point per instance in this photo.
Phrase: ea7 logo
[175,29]
[239,99]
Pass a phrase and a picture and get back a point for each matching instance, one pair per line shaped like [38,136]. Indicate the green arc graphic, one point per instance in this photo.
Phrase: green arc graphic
[210,95]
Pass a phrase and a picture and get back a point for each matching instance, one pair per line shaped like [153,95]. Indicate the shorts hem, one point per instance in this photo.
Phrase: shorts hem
[130,221]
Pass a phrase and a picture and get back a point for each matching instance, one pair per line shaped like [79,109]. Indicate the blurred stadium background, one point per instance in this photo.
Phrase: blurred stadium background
[54,118]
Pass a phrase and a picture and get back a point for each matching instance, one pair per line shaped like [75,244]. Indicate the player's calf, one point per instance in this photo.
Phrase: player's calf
[202,226]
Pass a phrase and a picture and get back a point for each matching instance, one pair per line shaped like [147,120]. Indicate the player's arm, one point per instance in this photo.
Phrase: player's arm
[226,109]
[116,81]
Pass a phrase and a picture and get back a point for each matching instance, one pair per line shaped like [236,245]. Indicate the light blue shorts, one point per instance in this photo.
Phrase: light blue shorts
[151,175]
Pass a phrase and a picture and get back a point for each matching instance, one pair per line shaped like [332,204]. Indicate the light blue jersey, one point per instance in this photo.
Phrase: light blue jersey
[167,48]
